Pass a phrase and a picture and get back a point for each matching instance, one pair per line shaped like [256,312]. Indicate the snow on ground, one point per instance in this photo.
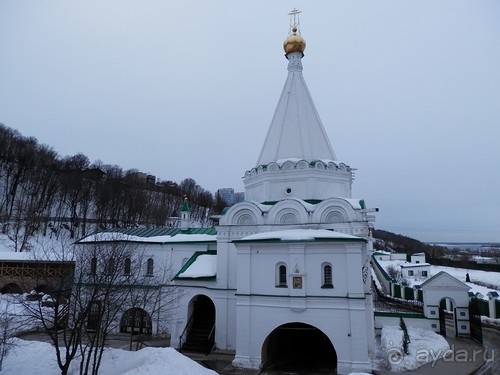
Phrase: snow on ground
[488,277]
[34,357]
[425,346]
[20,320]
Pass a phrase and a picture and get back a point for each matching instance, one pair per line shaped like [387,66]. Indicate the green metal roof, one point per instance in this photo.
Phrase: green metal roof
[156,232]
[153,232]
[310,201]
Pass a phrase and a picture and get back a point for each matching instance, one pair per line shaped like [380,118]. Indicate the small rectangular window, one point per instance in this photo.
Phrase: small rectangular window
[433,312]
[410,272]
[93,266]
[127,266]
[424,273]
[150,267]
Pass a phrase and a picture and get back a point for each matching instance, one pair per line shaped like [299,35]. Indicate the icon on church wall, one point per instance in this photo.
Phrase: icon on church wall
[297,283]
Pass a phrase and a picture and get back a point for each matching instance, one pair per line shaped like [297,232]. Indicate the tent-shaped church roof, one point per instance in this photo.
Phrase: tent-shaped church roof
[296,130]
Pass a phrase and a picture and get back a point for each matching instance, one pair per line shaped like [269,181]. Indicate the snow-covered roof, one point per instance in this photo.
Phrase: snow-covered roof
[15,255]
[34,256]
[301,235]
[203,266]
[444,279]
[200,265]
[412,265]
[179,236]
[381,252]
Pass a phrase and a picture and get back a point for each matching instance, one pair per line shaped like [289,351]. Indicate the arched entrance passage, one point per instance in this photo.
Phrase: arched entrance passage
[447,317]
[11,288]
[297,347]
[44,288]
[200,330]
[136,321]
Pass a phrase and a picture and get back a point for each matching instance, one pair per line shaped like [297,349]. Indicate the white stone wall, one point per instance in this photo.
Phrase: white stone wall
[344,313]
[309,183]
[342,320]
[419,271]
[420,258]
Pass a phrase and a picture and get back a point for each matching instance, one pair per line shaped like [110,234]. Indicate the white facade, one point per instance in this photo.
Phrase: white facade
[418,258]
[444,287]
[293,257]
[416,270]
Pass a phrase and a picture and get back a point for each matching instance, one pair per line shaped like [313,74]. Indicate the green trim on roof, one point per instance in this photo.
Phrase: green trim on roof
[154,232]
[269,203]
[277,240]
[310,201]
[224,210]
[362,204]
[313,201]
[190,262]
[379,253]
[399,314]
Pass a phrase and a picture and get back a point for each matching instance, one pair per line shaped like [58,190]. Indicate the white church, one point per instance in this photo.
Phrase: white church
[284,279]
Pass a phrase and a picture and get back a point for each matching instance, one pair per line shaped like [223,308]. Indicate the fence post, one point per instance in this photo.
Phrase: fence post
[492,299]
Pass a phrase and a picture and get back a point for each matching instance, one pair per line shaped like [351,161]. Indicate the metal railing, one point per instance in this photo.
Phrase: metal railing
[210,336]
[188,325]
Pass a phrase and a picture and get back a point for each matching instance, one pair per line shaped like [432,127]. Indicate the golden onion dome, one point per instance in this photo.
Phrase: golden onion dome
[294,42]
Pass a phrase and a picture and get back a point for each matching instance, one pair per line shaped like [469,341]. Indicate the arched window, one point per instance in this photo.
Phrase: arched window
[94,316]
[281,276]
[327,276]
[150,267]
[93,266]
[110,266]
[127,266]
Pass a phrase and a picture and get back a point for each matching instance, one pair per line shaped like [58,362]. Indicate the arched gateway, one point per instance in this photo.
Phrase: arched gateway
[298,346]
[200,330]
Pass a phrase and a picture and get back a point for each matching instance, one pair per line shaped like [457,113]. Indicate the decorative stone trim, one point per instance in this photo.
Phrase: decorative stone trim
[298,164]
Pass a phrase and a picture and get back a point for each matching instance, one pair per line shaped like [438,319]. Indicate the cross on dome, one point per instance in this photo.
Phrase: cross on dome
[294,15]
[294,42]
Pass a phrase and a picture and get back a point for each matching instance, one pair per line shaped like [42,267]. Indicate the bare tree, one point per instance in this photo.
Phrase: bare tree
[7,331]
[114,278]
[153,294]
[87,304]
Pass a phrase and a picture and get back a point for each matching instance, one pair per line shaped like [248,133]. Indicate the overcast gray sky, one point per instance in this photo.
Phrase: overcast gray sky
[408,91]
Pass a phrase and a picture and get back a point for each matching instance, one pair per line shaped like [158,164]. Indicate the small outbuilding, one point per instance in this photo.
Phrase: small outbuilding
[416,270]
[417,258]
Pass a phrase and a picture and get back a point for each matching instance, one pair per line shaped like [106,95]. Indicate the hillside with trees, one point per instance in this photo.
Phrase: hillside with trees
[384,240]
[42,192]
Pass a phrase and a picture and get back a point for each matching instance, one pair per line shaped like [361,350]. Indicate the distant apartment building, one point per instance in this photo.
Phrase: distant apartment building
[229,196]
